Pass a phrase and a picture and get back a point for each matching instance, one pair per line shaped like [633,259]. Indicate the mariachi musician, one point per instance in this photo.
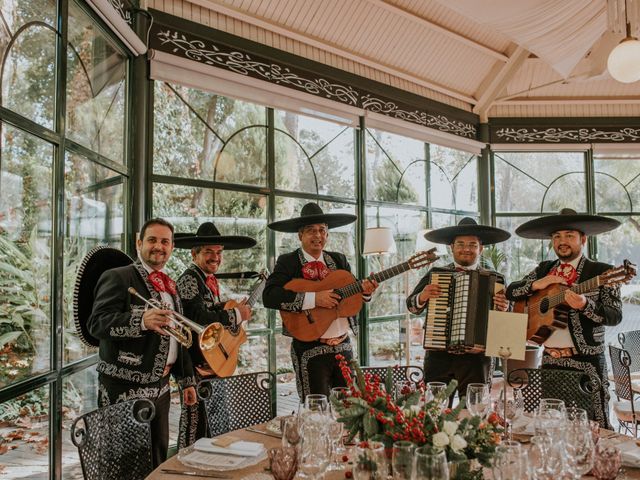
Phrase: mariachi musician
[581,345]
[136,354]
[466,241]
[317,370]
[200,295]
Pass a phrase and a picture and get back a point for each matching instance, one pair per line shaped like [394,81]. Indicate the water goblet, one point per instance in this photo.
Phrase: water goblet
[334,430]
[431,464]
[509,462]
[545,459]
[607,461]
[579,449]
[315,408]
[370,461]
[315,450]
[436,390]
[283,462]
[291,434]
[402,460]
[478,399]
[338,394]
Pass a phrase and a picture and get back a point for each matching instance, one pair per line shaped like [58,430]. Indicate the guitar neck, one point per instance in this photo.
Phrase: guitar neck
[580,288]
[257,292]
[356,287]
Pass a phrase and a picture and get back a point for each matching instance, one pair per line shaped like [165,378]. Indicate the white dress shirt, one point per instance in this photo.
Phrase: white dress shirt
[561,337]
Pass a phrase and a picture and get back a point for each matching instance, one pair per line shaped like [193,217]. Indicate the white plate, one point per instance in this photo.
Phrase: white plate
[214,461]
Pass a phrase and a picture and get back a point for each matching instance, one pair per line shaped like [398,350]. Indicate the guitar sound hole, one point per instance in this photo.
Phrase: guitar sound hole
[544,306]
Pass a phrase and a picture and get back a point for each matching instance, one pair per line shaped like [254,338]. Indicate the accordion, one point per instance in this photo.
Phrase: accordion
[457,320]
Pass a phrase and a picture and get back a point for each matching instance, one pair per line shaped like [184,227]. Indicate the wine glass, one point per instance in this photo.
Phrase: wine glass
[431,464]
[579,449]
[402,458]
[335,430]
[338,394]
[291,435]
[370,462]
[545,458]
[315,450]
[315,408]
[509,462]
[478,399]
[550,417]
[435,390]
[515,407]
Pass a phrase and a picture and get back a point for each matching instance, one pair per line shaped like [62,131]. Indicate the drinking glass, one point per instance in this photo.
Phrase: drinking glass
[335,429]
[402,460]
[431,464]
[315,450]
[291,434]
[509,462]
[577,415]
[403,388]
[595,431]
[478,399]
[435,389]
[607,461]
[283,462]
[370,461]
[315,408]
[338,394]
[545,458]
[550,418]
[579,449]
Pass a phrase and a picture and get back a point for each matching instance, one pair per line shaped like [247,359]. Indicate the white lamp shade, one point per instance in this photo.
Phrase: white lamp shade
[378,241]
[624,61]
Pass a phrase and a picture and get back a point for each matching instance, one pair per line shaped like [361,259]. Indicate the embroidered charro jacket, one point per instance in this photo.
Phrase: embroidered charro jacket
[200,305]
[289,266]
[412,300]
[587,326]
[127,352]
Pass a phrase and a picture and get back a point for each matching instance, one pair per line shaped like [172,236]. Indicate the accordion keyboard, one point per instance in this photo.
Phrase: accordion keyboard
[435,326]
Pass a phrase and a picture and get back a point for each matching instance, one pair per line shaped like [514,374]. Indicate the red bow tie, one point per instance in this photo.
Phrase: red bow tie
[162,282]
[460,269]
[212,283]
[566,271]
[315,270]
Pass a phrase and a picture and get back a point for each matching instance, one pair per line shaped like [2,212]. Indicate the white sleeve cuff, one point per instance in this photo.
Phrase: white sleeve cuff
[309,301]
[419,304]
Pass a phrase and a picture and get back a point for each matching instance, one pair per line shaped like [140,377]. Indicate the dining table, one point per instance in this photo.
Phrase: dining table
[173,469]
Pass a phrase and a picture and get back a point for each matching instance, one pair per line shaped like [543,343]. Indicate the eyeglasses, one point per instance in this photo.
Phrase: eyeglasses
[313,231]
[464,245]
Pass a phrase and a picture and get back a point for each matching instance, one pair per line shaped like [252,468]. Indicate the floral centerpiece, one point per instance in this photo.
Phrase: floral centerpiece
[370,411]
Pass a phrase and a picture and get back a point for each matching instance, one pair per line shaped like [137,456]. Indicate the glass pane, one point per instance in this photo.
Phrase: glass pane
[94,215]
[390,298]
[254,355]
[314,156]
[28,76]
[385,345]
[617,183]
[96,88]
[206,136]
[454,179]
[341,239]
[80,396]
[25,434]
[25,255]
[539,182]
[234,213]
[396,168]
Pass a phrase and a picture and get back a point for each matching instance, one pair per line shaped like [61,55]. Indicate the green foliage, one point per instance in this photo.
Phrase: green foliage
[388,186]
[494,257]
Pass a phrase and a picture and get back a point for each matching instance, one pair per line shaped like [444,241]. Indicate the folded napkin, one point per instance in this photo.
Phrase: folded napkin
[239,448]
[630,453]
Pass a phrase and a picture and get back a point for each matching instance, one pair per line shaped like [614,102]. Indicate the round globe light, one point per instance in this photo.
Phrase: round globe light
[624,61]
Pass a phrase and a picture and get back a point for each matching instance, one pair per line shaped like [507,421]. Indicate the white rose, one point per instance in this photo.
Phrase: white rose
[450,427]
[458,443]
[440,440]
[415,409]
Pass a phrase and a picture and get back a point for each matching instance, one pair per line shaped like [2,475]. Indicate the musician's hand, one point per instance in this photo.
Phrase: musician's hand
[544,282]
[245,311]
[500,302]
[156,318]
[429,292]
[575,301]
[327,299]
[189,396]
[369,286]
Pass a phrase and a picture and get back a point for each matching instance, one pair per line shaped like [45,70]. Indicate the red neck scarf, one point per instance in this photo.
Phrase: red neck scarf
[566,271]
[212,283]
[162,282]
[315,270]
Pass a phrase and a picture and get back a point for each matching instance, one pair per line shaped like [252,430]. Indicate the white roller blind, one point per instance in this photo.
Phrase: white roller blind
[117,24]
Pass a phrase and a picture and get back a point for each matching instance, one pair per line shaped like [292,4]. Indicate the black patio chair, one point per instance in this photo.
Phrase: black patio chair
[237,402]
[114,442]
[575,388]
[400,373]
[624,407]
[630,341]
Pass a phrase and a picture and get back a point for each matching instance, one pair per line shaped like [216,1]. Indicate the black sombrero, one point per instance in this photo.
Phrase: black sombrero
[208,234]
[311,214]
[567,219]
[468,226]
[95,263]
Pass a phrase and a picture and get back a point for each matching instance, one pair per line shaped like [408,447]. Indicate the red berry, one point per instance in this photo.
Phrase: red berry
[348,474]
[345,458]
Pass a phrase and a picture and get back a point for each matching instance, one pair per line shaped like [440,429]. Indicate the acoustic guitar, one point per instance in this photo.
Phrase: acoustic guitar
[547,310]
[223,358]
[310,325]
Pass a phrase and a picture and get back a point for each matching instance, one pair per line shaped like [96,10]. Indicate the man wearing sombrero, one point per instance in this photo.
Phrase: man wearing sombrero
[317,370]
[581,345]
[466,241]
[200,295]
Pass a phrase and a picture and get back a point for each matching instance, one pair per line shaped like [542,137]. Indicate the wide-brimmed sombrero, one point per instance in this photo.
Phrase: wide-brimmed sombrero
[208,234]
[95,263]
[311,214]
[567,219]
[468,226]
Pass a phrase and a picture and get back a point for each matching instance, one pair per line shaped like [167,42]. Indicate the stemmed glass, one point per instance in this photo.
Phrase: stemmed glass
[478,399]
[579,447]
[315,450]
[510,462]
[515,407]
[315,408]
[369,461]
[431,464]
[545,458]
[550,418]
[402,458]
[435,389]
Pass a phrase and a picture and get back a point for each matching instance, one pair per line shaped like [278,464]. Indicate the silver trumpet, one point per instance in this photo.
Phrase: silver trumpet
[207,337]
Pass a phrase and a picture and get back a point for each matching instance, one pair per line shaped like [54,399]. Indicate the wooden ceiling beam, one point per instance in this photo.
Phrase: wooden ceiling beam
[570,101]
[321,44]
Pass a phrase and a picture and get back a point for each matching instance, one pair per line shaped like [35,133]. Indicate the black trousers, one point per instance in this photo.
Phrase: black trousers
[440,366]
[112,390]
[316,367]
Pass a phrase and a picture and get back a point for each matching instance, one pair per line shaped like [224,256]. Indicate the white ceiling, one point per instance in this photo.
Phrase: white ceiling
[496,58]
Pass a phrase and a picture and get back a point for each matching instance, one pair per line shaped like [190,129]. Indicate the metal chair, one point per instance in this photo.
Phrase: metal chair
[400,373]
[575,388]
[237,402]
[114,442]
[630,341]
[624,407]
